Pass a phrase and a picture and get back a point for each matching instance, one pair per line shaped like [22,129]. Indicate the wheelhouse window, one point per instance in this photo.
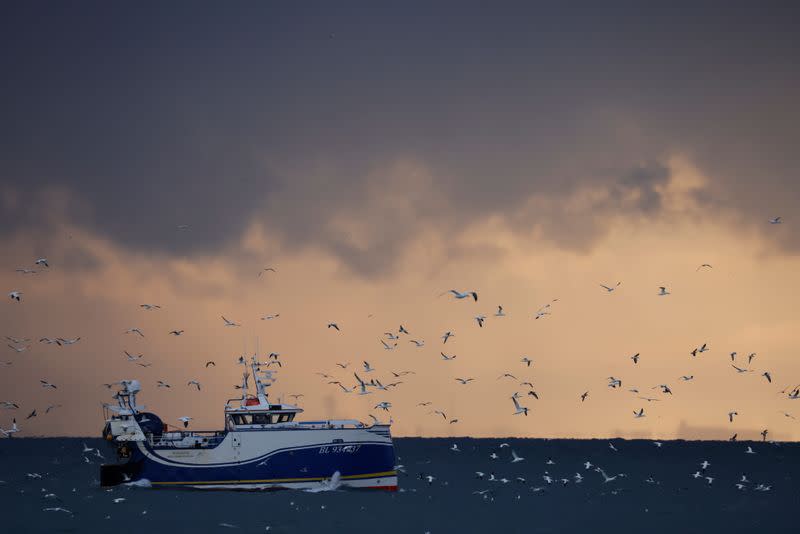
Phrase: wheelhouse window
[262,419]
[285,417]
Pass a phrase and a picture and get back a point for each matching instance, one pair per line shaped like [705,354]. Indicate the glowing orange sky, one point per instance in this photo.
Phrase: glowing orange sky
[744,304]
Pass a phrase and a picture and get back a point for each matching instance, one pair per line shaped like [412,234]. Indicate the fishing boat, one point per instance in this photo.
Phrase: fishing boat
[262,445]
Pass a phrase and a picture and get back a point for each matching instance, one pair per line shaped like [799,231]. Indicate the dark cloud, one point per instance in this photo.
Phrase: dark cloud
[152,117]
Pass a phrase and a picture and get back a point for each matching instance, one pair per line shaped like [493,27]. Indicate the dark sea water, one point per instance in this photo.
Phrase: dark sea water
[672,501]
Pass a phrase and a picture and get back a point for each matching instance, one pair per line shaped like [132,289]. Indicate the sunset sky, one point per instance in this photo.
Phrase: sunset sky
[377,156]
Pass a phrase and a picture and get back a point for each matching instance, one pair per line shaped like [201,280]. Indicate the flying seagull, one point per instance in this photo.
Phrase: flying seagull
[776,220]
[134,331]
[610,289]
[459,295]
[499,312]
[230,323]
[662,291]
[16,295]
[150,306]
[519,409]
[447,335]
[334,325]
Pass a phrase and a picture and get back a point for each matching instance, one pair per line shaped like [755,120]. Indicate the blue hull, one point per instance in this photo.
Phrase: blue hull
[361,464]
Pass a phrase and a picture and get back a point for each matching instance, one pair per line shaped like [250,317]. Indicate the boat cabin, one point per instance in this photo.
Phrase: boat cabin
[256,412]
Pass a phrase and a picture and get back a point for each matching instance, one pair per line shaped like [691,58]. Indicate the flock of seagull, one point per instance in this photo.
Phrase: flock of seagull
[389,341]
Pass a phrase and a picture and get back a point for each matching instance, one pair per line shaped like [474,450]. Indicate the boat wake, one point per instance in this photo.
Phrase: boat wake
[141,483]
[331,484]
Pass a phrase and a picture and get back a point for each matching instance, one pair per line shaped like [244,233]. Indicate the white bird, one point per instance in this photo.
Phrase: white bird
[229,323]
[639,414]
[731,414]
[134,330]
[16,295]
[705,464]
[26,271]
[150,306]
[464,381]
[42,262]
[446,357]
[185,420]
[606,478]
[480,319]
[334,326]
[749,450]
[447,335]
[519,409]
[46,384]
[270,317]
[266,269]
[72,341]
[776,220]
[527,361]
[610,289]
[19,349]
[387,346]
[455,448]
[177,332]
[367,368]
[417,343]
[459,295]
[686,378]
[162,384]
[119,500]
[362,385]
[662,291]
[10,431]
[740,370]
[499,312]
[515,458]
[383,406]
[194,383]
[131,357]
